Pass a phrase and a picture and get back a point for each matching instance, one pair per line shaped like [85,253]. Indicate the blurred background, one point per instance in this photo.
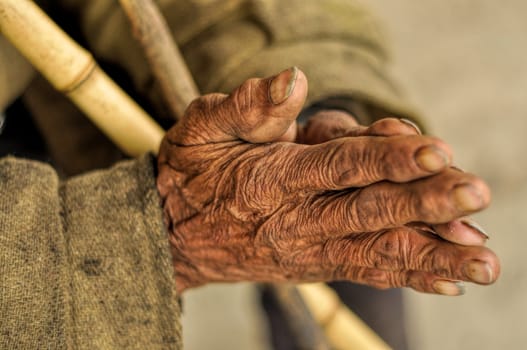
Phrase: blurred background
[464,63]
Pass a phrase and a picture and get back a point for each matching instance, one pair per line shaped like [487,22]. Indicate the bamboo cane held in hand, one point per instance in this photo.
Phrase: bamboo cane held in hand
[305,329]
[73,71]
[151,30]
[342,327]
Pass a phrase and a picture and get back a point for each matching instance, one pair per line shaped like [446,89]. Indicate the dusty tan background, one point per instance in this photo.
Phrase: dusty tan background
[465,64]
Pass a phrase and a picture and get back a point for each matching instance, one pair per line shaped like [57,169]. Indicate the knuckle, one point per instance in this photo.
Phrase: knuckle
[364,211]
[248,97]
[355,162]
[402,205]
[397,158]
[400,164]
[243,96]
[377,278]
[430,203]
[202,105]
[376,208]
[196,106]
[371,160]
[194,127]
[365,161]
[428,256]
[336,252]
[397,279]
[250,106]
[388,250]
[421,282]
[341,165]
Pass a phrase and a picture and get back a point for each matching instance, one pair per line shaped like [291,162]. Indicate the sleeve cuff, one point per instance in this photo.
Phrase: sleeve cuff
[122,274]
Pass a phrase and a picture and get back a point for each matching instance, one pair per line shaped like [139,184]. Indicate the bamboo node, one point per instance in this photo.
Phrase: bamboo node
[82,76]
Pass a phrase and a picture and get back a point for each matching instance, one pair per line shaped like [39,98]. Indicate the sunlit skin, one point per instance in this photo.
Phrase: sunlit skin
[378,205]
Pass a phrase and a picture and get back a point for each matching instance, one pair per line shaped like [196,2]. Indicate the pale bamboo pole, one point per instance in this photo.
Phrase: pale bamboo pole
[344,329]
[73,71]
[305,328]
[151,31]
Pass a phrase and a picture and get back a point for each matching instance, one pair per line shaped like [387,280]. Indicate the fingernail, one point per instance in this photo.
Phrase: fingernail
[422,227]
[412,124]
[479,272]
[457,168]
[431,158]
[451,288]
[467,198]
[282,85]
[475,226]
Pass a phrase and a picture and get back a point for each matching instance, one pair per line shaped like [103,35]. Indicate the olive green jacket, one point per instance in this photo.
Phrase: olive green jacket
[84,261]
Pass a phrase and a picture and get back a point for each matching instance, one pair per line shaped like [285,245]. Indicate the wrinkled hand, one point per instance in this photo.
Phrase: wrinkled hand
[327,125]
[239,208]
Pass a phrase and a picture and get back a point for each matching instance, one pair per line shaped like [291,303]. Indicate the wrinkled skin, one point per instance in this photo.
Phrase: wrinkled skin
[376,205]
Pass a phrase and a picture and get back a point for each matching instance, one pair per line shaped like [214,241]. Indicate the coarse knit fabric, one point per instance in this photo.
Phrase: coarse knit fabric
[84,261]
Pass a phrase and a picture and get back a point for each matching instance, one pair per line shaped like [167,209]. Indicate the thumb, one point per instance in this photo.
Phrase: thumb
[258,111]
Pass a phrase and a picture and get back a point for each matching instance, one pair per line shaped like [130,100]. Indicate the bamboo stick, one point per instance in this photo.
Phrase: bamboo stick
[344,329]
[151,31]
[73,71]
[307,332]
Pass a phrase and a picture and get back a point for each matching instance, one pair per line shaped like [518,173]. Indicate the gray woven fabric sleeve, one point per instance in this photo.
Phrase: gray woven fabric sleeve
[84,264]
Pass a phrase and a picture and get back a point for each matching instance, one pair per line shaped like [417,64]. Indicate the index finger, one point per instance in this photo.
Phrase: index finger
[354,162]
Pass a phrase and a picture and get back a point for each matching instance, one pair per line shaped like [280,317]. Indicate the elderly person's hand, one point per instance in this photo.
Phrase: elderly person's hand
[240,207]
[329,124]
